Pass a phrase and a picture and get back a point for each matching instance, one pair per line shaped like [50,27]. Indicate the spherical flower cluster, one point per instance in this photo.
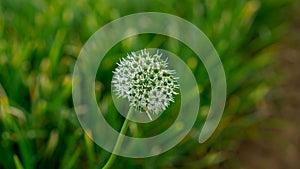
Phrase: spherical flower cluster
[145,81]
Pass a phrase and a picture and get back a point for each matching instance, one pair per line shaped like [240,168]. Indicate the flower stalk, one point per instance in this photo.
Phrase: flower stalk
[119,141]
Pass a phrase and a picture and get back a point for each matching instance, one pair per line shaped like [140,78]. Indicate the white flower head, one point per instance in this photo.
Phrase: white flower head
[145,81]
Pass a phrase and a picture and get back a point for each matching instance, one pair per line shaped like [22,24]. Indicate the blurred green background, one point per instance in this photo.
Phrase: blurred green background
[39,44]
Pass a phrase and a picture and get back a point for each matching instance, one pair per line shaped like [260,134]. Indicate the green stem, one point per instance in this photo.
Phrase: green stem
[119,142]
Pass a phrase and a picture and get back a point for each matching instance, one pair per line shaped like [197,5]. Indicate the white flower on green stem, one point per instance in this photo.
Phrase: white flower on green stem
[145,81]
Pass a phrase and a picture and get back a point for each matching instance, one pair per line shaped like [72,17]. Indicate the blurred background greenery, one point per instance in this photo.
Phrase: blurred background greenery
[39,44]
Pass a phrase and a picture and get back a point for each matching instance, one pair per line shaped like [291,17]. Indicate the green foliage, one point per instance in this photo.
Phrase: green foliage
[40,41]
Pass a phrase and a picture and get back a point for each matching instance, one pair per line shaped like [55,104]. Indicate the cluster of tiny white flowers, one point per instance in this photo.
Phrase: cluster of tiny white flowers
[145,81]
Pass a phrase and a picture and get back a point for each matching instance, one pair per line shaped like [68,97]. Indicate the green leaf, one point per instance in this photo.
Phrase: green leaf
[17,162]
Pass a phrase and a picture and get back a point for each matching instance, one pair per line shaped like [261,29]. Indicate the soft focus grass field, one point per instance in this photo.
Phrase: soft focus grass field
[39,44]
